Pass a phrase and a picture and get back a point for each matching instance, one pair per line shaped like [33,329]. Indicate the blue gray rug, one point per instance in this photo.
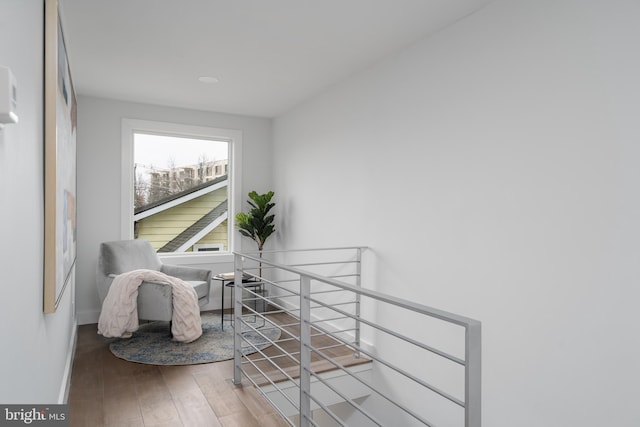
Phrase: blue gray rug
[152,344]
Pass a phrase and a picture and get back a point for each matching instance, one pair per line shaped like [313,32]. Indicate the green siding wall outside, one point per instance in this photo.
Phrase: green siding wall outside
[164,226]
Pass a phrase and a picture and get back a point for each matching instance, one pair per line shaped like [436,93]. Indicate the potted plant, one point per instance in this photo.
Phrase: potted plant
[257,224]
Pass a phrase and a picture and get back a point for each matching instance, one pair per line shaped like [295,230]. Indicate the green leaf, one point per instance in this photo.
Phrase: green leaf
[257,224]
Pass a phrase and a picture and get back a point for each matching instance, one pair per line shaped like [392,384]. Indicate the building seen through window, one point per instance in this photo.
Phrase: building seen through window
[181,193]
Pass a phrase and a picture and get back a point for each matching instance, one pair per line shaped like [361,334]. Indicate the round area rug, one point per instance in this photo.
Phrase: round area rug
[152,344]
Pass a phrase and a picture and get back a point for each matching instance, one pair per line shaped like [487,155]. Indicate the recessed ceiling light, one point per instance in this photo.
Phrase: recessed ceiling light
[208,79]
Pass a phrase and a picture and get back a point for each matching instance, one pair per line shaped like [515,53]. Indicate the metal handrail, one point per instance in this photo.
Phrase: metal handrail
[402,303]
[471,403]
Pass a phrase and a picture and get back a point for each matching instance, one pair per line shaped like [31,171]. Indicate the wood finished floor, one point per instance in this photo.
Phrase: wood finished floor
[107,391]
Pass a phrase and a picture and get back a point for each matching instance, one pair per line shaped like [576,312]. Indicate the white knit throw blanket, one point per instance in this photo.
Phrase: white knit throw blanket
[119,316]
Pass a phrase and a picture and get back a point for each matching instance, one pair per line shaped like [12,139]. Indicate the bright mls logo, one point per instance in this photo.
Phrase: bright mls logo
[39,415]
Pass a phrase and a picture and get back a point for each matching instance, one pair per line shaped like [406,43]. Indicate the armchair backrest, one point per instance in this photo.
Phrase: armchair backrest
[123,256]
[127,255]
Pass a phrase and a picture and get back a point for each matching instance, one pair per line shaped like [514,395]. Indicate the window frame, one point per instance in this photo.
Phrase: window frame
[231,136]
[203,247]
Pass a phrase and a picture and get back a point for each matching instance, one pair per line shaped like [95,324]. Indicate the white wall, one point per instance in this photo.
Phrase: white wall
[36,348]
[496,161]
[99,177]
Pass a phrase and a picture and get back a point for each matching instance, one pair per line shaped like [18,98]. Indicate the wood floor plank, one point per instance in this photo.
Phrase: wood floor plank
[239,419]
[194,409]
[87,413]
[220,396]
[150,385]
[261,410]
[121,406]
[273,420]
[178,378]
[138,422]
[159,411]
[191,404]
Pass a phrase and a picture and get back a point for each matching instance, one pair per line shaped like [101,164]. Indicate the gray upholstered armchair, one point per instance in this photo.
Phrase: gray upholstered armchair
[154,299]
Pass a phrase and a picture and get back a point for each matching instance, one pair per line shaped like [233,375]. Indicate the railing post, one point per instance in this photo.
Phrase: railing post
[473,369]
[237,324]
[358,297]
[305,351]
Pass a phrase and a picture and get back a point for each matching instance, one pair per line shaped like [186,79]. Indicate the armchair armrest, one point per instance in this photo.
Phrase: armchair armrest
[187,273]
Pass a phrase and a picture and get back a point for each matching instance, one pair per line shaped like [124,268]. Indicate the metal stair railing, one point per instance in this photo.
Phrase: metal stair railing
[318,312]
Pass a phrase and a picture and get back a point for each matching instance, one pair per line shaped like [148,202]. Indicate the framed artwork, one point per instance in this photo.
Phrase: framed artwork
[60,119]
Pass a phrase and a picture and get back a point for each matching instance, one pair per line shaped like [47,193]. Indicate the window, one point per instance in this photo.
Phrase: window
[170,196]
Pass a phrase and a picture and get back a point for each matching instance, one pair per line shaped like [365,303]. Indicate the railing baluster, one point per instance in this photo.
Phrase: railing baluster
[358,297]
[305,351]
[237,325]
[472,391]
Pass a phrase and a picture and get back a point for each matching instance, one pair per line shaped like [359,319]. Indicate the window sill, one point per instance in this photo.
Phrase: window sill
[196,258]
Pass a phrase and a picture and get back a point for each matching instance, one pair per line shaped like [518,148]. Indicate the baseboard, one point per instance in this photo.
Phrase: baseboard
[63,396]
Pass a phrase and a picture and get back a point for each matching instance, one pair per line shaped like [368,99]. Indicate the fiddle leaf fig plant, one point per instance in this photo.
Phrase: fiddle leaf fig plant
[257,224]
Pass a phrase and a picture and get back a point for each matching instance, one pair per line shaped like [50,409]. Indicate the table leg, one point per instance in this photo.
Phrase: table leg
[222,308]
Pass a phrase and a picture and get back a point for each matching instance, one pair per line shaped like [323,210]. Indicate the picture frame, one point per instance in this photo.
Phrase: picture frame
[60,124]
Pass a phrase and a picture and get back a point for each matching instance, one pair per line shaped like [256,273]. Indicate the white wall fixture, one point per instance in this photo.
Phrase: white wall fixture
[8,103]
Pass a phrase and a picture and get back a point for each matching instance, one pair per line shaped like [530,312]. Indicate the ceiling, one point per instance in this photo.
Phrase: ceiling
[266,55]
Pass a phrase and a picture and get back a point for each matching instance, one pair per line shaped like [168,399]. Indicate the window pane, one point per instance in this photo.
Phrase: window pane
[180,192]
